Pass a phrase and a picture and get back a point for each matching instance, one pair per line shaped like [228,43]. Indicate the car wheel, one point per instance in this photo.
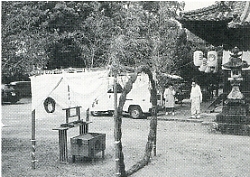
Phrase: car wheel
[95,113]
[135,112]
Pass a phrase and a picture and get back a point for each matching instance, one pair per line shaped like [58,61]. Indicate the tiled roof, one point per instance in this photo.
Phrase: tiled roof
[238,12]
[242,9]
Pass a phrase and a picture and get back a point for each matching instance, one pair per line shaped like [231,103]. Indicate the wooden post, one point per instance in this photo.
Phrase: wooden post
[63,149]
[33,139]
[65,145]
[87,115]
[87,120]
[82,129]
[69,95]
[154,114]
[67,115]
[117,156]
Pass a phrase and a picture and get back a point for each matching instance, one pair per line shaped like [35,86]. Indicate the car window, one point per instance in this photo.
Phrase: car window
[8,87]
[21,83]
[119,89]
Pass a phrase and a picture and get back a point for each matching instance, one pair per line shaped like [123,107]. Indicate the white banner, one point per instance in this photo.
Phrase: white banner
[68,89]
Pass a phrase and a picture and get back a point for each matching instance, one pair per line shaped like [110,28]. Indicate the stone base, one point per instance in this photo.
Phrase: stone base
[233,129]
[234,118]
[234,114]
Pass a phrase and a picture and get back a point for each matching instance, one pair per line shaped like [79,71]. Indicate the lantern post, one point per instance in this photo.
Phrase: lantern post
[234,118]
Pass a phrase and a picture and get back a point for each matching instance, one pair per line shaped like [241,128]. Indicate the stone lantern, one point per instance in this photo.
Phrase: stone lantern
[234,117]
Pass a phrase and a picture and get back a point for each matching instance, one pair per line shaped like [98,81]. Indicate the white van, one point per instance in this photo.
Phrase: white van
[137,102]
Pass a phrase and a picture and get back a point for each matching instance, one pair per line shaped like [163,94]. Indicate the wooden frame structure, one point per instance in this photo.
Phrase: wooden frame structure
[62,133]
[62,130]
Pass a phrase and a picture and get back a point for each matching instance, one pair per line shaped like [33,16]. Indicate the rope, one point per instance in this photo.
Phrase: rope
[117,142]
[185,64]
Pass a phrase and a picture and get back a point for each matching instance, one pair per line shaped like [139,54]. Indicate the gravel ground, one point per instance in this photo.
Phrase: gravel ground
[184,148]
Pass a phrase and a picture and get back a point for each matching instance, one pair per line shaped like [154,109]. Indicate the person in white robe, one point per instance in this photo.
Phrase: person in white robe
[169,99]
[196,99]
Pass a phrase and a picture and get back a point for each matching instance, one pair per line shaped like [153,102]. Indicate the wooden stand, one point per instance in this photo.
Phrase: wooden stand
[62,130]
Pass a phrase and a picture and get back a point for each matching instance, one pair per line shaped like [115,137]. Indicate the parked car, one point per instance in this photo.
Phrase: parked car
[160,102]
[23,87]
[9,94]
[137,105]
[182,91]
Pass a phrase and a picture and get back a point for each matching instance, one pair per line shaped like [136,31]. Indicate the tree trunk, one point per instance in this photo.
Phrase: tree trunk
[153,124]
[151,144]
[118,122]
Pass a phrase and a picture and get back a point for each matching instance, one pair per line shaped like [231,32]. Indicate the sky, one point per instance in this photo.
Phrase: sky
[192,5]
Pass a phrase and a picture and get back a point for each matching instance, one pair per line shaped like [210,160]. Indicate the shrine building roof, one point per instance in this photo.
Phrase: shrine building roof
[224,23]
[236,13]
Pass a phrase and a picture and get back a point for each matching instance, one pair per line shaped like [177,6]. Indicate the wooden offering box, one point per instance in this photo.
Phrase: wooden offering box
[88,145]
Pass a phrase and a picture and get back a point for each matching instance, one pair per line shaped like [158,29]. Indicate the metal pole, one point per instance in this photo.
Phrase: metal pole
[33,139]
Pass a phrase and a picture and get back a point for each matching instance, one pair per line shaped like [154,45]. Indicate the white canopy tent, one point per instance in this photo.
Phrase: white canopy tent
[77,89]
[67,90]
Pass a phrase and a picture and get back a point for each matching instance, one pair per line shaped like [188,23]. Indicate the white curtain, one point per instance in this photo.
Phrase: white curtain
[68,89]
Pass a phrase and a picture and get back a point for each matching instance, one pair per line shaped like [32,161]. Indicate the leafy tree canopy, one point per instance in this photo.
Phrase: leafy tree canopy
[56,34]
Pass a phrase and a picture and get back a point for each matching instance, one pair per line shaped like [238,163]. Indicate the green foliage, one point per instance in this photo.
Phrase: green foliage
[23,41]
[55,34]
[65,53]
[32,31]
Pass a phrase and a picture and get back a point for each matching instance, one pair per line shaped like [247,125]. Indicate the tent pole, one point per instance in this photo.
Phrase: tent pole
[117,156]
[33,139]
